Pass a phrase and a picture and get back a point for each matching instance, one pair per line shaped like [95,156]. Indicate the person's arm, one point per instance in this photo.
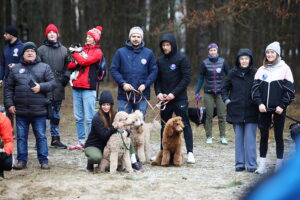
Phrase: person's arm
[289,90]
[226,67]
[226,89]
[9,91]
[49,84]
[100,130]
[2,66]
[90,59]
[6,134]
[185,69]
[152,68]
[115,69]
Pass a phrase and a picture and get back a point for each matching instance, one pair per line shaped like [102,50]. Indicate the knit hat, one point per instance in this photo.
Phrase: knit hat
[212,45]
[106,97]
[29,45]
[12,30]
[137,30]
[275,46]
[95,33]
[51,27]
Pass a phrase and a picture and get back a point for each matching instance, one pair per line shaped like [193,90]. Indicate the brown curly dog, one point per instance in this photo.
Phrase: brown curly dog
[172,141]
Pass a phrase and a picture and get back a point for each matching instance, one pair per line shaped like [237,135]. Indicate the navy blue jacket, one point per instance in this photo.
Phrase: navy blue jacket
[174,71]
[11,54]
[134,66]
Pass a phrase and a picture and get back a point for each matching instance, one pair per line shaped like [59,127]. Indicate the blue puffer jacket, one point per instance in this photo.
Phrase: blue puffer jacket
[134,66]
[11,54]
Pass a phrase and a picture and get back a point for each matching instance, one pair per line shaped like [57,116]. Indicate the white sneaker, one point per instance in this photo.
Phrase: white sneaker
[261,166]
[190,158]
[278,165]
[209,140]
[223,140]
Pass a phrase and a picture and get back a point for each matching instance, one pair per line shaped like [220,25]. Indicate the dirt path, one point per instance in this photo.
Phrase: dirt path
[212,177]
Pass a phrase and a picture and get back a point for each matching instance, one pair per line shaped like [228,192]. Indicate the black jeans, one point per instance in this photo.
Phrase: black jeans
[180,108]
[264,124]
[5,162]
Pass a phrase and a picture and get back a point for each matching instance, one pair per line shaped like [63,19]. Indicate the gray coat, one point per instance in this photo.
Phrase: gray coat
[19,94]
[57,57]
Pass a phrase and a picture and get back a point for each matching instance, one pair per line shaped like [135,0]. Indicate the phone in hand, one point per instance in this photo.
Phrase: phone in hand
[31,84]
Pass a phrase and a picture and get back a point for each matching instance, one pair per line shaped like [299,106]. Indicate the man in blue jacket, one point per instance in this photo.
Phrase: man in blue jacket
[10,56]
[134,69]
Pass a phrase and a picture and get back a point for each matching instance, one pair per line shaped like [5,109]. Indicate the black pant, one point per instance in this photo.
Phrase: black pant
[180,108]
[264,124]
[5,162]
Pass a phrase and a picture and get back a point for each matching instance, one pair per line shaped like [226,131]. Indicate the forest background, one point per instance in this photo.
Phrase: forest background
[232,24]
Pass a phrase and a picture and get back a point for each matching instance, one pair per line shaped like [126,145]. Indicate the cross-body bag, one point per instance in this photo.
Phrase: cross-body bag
[50,111]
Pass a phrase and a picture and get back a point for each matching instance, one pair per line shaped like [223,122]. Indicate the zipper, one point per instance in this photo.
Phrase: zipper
[215,81]
[268,95]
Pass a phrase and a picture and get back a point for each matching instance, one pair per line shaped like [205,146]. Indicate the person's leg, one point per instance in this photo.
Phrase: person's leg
[22,125]
[39,130]
[94,156]
[209,104]
[165,115]
[5,163]
[181,109]
[79,113]
[239,146]
[89,100]
[278,132]
[125,106]
[142,106]
[54,126]
[250,146]
[221,109]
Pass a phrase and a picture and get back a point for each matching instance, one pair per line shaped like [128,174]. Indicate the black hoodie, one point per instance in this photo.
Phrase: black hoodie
[174,71]
[237,89]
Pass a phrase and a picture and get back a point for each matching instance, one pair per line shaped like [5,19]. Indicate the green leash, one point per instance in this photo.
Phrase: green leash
[124,144]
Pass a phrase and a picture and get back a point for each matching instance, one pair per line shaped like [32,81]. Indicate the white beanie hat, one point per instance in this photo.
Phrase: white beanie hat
[137,30]
[275,46]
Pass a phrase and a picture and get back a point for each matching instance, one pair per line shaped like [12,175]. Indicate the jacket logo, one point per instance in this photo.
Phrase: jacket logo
[172,67]
[264,76]
[218,70]
[22,70]
[143,61]
[16,52]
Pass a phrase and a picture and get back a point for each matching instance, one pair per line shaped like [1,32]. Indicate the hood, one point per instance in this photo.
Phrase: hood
[244,52]
[135,50]
[168,38]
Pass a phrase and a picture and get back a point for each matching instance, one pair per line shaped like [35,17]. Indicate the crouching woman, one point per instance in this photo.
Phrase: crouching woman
[101,131]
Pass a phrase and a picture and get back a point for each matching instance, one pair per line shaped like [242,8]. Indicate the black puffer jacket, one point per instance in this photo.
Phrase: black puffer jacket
[237,89]
[19,94]
[174,71]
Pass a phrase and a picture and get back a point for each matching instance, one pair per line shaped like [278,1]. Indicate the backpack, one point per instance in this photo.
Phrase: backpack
[101,70]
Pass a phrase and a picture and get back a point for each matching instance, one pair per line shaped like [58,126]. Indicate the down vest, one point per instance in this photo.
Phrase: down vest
[19,94]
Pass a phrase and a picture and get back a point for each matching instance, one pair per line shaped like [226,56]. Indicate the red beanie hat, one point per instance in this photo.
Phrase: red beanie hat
[51,27]
[95,33]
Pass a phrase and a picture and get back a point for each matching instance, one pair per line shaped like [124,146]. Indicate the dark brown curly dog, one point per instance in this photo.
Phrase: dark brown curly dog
[171,153]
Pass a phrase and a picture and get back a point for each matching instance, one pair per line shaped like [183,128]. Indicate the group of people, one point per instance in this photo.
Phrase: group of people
[35,77]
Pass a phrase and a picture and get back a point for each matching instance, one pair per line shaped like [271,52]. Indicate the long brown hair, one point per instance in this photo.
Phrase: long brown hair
[107,118]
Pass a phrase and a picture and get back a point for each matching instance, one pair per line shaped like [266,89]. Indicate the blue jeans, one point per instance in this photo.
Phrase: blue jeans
[39,129]
[84,110]
[245,145]
[142,106]
[54,123]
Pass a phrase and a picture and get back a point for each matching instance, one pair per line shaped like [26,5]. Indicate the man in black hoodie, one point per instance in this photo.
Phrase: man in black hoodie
[174,74]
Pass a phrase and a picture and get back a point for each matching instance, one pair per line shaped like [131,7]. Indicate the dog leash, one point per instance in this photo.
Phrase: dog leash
[124,144]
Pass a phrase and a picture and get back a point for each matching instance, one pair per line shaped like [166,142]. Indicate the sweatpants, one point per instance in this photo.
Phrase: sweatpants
[265,120]
[180,108]
[210,101]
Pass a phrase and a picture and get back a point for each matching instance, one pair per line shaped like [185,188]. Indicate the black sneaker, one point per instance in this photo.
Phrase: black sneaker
[137,167]
[239,169]
[57,144]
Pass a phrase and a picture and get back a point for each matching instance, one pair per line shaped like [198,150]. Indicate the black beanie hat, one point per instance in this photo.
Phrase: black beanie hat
[29,45]
[106,97]
[12,31]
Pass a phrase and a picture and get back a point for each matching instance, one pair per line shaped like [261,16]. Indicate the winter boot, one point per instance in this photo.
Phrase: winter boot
[55,142]
[261,166]
[278,165]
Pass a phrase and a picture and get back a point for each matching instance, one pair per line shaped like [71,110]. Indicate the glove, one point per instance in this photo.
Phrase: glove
[198,97]
[65,81]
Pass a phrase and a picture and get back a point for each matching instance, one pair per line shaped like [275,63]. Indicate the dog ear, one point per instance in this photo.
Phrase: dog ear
[139,114]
